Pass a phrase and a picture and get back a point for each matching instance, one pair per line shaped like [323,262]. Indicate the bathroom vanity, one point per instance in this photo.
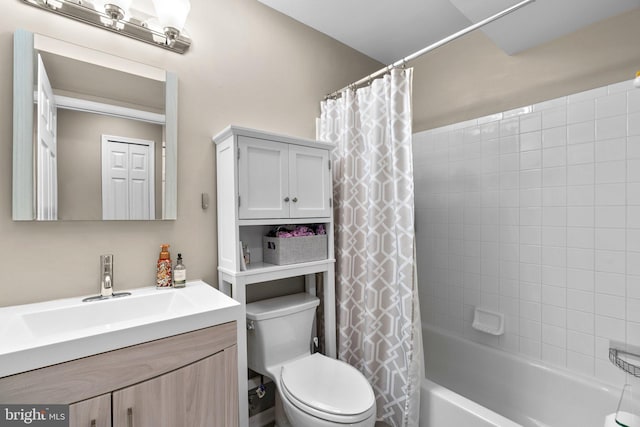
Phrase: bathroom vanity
[172,365]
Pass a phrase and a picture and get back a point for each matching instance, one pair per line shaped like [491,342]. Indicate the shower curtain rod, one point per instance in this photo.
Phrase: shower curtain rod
[431,47]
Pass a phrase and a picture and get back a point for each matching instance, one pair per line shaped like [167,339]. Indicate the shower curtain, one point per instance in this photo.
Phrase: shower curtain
[378,316]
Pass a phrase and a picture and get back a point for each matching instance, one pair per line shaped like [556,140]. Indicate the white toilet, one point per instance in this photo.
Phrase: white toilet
[314,390]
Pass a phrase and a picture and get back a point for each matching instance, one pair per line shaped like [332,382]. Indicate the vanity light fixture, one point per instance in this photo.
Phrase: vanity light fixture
[165,30]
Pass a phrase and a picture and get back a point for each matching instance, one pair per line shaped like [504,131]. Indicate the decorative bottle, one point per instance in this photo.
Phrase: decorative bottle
[163,276]
[179,274]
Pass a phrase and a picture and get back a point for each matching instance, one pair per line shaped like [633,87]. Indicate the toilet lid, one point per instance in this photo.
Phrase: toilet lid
[327,385]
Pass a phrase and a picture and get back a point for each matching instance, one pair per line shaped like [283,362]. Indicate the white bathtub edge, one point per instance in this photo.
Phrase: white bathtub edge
[440,406]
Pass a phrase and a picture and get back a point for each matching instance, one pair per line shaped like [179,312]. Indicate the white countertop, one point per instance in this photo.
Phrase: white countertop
[36,335]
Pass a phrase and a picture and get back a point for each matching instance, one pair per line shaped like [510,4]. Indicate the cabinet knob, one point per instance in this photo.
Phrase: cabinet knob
[286,199]
[93,423]
[294,200]
[129,417]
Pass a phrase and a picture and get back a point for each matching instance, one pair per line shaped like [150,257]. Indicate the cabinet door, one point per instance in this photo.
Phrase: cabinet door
[309,182]
[263,185]
[94,412]
[203,394]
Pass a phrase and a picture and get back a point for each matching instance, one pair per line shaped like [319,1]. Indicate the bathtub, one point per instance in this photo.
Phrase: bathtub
[472,385]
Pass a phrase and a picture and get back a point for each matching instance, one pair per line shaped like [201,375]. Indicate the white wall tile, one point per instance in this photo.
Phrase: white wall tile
[633,310]
[634,124]
[611,194]
[611,306]
[633,170]
[581,111]
[554,315]
[530,122]
[554,335]
[554,295]
[633,101]
[633,263]
[613,239]
[579,133]
[529,329]
[581,343]
[610,172]
[580,174]
[554,355]
[580,279]
[581,321]
[633,217]
[633,333]
[610,283]
[530,141]
[554,177]
[535,212]
[610,149]
[611,105]
[557,196]
[633,239]
[531,160]
[633,193]
[580,237]
[580,216]
[555,117]
[554,137]
[509,126]
[610,216]
[580,258]
[580,195]
[609,327]
[552,157]
[580,300]
[530,292]
[611,127]
[554,236]
[580,153]
[554,256]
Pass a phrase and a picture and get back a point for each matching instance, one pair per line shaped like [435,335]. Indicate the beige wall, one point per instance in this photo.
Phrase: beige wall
[80,160]
[248,66]
[471,77]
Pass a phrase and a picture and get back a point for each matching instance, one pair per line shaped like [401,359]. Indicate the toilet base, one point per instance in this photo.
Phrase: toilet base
[281,418]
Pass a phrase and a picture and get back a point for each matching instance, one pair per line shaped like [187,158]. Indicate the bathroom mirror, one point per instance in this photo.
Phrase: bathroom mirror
[94,135]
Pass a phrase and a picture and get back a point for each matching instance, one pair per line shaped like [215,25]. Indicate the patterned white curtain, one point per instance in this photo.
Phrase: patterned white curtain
[378,313]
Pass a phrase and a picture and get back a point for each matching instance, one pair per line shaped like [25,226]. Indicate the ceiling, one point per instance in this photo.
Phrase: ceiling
[388,30]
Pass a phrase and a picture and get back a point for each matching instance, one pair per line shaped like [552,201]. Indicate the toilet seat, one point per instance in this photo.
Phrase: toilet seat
[327,389]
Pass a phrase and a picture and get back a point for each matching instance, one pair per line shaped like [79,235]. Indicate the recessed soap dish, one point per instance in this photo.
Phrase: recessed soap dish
[488,321]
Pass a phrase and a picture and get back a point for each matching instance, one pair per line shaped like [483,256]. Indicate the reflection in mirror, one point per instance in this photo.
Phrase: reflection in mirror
[95,136]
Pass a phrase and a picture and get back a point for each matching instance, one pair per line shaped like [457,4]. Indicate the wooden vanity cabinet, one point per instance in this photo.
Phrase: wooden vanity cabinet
[185,380]
[95,412]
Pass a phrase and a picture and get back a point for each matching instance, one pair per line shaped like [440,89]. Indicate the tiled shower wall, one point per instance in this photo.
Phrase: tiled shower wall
[535,213]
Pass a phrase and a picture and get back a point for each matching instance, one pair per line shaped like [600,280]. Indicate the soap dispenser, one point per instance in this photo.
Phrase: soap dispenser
[179,274]
[163,274]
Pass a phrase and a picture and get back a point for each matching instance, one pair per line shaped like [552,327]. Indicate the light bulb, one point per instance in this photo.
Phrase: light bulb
[172,14]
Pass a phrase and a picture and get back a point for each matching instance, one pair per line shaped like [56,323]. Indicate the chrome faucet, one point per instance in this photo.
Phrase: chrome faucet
[106,274]
[106,281]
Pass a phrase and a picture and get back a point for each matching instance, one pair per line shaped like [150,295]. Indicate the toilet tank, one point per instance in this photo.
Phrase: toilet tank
[279,329]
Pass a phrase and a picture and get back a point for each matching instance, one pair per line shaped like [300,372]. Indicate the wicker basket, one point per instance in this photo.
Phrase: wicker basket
[293,250]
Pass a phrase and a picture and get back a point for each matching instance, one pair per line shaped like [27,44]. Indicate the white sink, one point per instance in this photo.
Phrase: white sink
[42,334]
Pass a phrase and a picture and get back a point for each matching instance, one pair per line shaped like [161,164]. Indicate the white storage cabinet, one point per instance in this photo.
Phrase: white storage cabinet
[264,180]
